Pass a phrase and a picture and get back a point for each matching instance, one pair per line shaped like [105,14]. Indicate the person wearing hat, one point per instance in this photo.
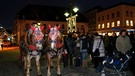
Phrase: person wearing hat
[123,43]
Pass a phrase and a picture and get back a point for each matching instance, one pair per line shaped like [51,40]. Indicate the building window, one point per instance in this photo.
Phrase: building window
[103,25]
[99,19]
[98,26]
[131,14]
[108,25]
[112,15]
[107,17]
[118,23]
[131,22]
[63,26]
[118,14]
[113,24]
[127,13]
[82,27]
[102,18]
[127,22]
[27,25]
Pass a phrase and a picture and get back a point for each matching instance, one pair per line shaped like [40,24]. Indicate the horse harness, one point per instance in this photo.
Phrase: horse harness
[33,51]
[58,48]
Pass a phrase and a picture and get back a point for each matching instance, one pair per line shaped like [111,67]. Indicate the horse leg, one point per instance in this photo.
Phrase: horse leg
[24,62]
[58,65]
[38,65]
[48,64]
[28,66]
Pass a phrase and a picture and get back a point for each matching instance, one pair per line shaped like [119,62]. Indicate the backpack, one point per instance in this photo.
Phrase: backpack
[84,44]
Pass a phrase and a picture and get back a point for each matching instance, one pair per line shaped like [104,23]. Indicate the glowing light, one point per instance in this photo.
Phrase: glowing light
[75,9]
[66,14]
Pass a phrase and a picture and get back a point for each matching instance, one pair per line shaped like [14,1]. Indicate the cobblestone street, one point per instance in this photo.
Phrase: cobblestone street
[10,65]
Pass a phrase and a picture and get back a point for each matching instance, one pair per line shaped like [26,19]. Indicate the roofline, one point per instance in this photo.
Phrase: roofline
[96,7]
[118,4]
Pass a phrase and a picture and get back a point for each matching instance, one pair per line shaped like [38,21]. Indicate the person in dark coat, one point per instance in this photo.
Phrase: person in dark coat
[64,55]
[112,45]
[77,56]
[70,46]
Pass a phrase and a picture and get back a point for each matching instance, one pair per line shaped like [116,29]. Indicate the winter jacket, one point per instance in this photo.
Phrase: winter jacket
[123,44]
[98,43]
[81,44]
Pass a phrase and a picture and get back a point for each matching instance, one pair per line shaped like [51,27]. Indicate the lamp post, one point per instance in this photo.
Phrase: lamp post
[71,19]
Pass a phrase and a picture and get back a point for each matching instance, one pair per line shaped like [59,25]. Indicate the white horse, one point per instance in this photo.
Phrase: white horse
[55,48]
[33,49]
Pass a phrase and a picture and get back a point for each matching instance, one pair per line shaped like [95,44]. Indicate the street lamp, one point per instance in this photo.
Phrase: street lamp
[75,9]
[71,19]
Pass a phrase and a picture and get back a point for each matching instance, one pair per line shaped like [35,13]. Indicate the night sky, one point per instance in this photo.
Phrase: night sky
[9,8]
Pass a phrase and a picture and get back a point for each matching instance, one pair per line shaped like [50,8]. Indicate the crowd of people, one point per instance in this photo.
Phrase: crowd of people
[80,48]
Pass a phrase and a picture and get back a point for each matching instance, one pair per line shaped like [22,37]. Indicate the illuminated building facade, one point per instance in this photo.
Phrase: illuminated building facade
[115,18]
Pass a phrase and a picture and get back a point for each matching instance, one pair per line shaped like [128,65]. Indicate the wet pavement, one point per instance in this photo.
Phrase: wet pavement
[10,65]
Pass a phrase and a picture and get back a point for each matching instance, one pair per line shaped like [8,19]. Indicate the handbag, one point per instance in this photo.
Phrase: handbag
[97,53]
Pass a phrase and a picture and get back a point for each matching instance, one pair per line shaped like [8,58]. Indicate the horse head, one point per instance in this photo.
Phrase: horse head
[53,35]
[37,36]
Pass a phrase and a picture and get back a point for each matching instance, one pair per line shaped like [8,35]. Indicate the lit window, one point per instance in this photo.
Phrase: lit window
[108,25]
[98,26]
[118,23]
[103,25]
[112,24]
[131,22]
[127,22]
